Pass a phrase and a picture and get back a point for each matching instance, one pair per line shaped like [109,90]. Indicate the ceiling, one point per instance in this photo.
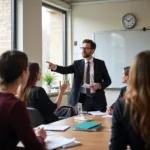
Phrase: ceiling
[80,1]
[72,1]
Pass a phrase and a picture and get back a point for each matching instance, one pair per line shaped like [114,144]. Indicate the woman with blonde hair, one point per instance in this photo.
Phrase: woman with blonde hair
[131,115]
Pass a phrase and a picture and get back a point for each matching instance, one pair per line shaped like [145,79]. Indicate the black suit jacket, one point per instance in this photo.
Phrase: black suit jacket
[100,76]
[121,95]
[123,133]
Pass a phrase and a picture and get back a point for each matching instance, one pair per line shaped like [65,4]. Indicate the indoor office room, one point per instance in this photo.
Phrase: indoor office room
[59,102]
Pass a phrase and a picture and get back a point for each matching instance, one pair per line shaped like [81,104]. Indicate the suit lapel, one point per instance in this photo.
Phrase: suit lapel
[82,69]
[95,69]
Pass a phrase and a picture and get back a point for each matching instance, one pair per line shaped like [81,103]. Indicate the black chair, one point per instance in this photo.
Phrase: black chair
[65,112]
[35,117]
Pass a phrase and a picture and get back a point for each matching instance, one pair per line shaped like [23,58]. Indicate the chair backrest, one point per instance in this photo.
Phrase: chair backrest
[65,112]
[35,117]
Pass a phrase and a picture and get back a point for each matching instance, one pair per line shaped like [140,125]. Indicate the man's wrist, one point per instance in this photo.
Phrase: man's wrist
[99,86]
[54,68]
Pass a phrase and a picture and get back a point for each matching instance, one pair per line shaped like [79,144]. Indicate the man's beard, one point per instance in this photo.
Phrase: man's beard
[85,55]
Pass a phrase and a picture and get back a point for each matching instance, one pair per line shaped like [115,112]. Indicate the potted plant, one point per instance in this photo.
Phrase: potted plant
[49,78]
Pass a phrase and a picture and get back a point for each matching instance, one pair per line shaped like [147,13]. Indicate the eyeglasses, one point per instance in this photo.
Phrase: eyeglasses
[85,48]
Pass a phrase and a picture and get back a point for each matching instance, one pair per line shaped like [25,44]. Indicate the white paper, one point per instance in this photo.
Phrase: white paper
[52,142]
[85,85]
[49,133]
[54,127]
[107,116]
[96,113]
[20,144]
[83,118]
[56,142]
[74,143]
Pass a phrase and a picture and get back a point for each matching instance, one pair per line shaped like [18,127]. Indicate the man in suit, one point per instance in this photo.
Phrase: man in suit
[91,71]
[124,78]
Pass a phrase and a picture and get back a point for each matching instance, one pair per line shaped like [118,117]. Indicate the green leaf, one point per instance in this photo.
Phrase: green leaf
[49,77]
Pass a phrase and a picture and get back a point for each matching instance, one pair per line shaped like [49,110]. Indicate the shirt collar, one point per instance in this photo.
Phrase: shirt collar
[91,60]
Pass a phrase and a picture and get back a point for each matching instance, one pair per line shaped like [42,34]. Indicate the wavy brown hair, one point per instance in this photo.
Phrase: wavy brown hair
[32,79]
[138,95]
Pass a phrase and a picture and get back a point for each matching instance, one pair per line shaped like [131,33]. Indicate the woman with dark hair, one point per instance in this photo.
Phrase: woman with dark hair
[131,116]
[37,97]
[124,79]
[15,124]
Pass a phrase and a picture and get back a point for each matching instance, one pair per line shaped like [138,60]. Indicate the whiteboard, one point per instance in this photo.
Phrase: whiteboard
[118,49]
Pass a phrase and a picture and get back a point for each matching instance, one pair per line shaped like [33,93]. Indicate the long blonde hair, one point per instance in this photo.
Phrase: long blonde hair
[138,95]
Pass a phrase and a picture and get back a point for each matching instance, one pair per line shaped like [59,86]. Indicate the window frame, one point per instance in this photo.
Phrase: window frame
[13,24]
[64,29]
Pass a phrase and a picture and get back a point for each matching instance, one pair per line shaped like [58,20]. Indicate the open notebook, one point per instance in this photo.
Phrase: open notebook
[56,142]
[54,127]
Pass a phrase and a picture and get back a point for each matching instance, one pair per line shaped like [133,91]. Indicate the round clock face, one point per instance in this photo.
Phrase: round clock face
[129,21]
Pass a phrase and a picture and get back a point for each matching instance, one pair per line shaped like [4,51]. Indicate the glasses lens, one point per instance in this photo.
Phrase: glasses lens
[85,48]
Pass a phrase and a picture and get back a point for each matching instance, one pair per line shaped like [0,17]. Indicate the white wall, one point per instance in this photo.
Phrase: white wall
[30,29]
[90,18]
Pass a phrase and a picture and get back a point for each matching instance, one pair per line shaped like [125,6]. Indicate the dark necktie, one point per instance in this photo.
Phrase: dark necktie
[88,78]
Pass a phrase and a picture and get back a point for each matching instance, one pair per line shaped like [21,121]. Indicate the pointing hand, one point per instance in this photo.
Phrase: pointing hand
[51,65]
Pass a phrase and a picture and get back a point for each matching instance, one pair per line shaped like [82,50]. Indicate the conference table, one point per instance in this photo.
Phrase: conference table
[98,140]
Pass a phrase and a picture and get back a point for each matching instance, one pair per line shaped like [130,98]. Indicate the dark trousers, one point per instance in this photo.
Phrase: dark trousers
[88,103]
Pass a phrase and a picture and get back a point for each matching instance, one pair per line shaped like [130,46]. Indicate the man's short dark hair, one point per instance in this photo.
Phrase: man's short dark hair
[93,44]
[126,70]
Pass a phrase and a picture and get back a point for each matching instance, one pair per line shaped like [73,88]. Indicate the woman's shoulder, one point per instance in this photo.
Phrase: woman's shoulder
[37,89]
[122,110]
[120,104]
[119,107]
[9,98]
[16,105]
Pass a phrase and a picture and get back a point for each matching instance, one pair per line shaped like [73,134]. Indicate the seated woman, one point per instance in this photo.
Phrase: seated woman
[15,124]
[131,115]
[124,79]
[37,97]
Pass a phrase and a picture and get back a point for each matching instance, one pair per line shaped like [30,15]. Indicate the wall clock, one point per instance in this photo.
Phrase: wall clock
[129,21]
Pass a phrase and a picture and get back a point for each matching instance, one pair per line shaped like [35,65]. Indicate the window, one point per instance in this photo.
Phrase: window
[5,25]
[53,38]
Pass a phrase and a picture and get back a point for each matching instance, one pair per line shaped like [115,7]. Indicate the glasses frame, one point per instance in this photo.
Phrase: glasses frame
[85,48]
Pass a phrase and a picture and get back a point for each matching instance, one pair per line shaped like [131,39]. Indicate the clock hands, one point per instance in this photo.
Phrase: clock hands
[129,21]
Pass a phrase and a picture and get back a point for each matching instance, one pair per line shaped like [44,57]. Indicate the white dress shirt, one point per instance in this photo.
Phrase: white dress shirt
[83,90]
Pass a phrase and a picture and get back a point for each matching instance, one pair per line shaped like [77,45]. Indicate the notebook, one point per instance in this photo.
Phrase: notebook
[54,127]
[74,143]
[89,130]
[56,142]
[87,126]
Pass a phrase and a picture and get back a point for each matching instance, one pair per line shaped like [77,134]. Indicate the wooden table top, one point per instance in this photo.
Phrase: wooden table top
[98,140]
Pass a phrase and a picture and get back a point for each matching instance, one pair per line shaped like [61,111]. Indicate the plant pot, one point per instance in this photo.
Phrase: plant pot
[48,88]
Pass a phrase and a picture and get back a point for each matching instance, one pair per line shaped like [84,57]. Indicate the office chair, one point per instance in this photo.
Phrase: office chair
[65,112]
[35,117]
